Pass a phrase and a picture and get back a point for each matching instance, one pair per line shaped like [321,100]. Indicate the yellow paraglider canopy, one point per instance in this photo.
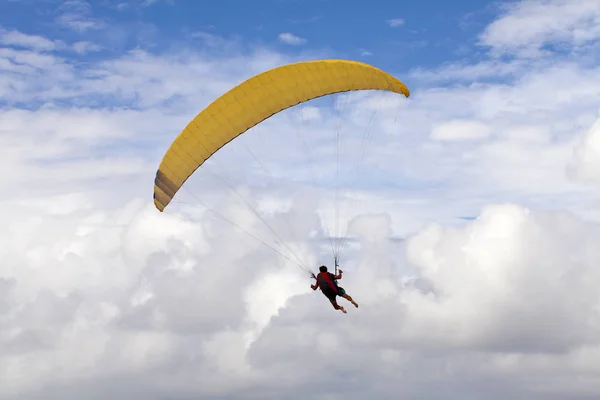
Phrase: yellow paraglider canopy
[253,101]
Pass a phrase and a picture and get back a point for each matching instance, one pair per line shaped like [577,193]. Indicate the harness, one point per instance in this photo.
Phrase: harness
[330,282]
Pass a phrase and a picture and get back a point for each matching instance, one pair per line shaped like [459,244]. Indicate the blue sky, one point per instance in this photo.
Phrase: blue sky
[396,36]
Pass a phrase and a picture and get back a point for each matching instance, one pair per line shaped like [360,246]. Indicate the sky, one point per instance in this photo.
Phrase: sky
[466,216]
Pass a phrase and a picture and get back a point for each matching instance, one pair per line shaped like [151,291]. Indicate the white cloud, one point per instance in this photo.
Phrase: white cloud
[585,164]
[35,42]
[472,72]
[76,15]
[395,22]
[83,47]
[79,23]
[529,26]
[41,44]
[460,130]
[289,38]
[309,113]
[488,275]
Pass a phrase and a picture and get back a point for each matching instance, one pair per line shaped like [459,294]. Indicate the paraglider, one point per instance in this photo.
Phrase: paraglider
[327,282]
[254,101]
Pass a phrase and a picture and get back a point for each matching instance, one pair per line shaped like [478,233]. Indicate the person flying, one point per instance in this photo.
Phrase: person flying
[329,287]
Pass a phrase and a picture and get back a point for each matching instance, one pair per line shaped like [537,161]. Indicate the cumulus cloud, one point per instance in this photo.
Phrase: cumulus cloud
[522,266]
[585,163]
[289,38]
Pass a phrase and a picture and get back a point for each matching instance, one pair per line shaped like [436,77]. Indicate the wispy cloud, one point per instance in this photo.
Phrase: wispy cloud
[395,22]
[147,3]
[40,45]
[35,42]
[79,23]
[215,41]
[527,28]
[76,15]
[473,72]
[84,47]
[585,162]
[289,38]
